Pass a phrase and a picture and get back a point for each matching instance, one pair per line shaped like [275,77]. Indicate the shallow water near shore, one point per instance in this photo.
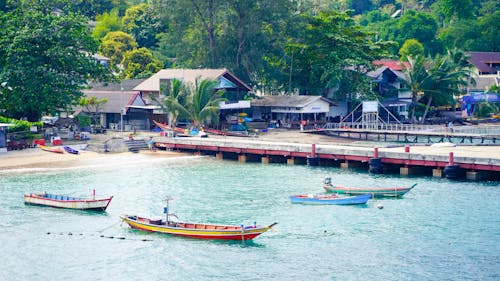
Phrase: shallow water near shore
[441,230]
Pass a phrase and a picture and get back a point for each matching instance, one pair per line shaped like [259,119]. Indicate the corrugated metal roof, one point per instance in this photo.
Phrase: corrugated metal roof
[116,100]
[481,61]
[187,75]
[288,101]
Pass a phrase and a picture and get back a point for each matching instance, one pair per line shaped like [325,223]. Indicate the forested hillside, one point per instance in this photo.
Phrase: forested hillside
[280,45]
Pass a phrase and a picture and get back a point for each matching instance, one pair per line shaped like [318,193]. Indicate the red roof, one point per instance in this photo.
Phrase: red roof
[392,64]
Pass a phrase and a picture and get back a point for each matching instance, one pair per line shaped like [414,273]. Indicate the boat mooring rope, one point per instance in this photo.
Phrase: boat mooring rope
[100,236]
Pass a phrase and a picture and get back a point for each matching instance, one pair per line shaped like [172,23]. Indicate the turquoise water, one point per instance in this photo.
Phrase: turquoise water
[441,230]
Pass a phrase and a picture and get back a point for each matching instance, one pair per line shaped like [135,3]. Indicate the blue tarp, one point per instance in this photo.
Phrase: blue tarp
[469,101]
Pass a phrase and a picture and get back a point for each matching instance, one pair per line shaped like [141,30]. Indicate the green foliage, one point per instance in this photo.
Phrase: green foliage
[198,102]
[19,125]
[494,89]
[115,44]
[92,106]
[436,81]
[44,60]
[140,63]
[175,99]
[328,49]
[203,102]
[144,23]
[83,120]
[106,23]
[485,109]
[411,48]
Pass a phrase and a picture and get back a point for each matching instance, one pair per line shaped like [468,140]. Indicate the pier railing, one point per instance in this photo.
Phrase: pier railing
[472,130]
[398,127]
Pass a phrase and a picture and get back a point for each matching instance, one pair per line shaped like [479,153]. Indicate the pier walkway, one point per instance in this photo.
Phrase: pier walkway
[469,160]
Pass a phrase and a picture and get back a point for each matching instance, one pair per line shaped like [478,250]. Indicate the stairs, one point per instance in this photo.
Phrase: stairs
[136,145]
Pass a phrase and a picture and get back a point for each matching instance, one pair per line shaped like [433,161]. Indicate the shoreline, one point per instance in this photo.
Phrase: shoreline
[35,158]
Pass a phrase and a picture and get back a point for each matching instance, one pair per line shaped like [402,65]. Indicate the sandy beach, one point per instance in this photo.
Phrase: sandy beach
[37,158]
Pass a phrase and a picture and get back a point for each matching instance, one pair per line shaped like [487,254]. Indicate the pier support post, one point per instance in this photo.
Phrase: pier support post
[451,171]
[197,153]
[313,160]
[290,161]
[375,163]
[242,158]
[350,164]
[406,171]
[476,176]
[437,173]
[219,156]
[265,160]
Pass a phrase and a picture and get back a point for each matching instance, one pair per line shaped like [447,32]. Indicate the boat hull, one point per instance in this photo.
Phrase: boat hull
[51,149]
[194,230]
[330,200]
[375,192]
[65,202]
[70,150]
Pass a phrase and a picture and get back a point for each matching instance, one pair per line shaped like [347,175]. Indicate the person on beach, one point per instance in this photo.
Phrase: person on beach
[150,144]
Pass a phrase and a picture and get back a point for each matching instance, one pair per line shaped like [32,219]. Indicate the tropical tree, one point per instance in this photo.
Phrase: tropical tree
[92,106]
[143,23]
[140,63]
[328,49]
[203,103]
[107,23]
[115,44]
[175,95]
[437,81]
[45,60]
[412,48]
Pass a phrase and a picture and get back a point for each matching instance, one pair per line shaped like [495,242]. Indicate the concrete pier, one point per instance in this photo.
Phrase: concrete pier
[290,161]
[467,158]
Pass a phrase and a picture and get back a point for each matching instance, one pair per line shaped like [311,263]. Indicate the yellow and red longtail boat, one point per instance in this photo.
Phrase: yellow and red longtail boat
[51,149]
[195,230]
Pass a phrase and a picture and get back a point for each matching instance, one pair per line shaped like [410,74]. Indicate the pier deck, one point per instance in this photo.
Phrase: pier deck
[469,158]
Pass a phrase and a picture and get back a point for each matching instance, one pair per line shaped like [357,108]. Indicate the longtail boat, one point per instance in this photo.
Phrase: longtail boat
[51,149]
[67,202]
[333,199]
[195,230]
[166,127]
[70,150]
[376,192]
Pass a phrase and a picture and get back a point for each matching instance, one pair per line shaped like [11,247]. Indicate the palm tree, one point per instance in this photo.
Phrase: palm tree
[417,79]
[175,98]
[203,102]
[450,74]
[437,79]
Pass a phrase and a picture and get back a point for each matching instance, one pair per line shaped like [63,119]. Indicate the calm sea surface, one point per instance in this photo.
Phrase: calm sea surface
[441,230]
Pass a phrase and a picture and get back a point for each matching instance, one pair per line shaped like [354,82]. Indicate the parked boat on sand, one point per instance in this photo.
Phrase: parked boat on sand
[51,149]
[195,230]
[70,150]
[376,192]
[67,202]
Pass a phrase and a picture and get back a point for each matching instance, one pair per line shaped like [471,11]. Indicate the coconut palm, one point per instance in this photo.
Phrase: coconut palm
[203,102]
[450,73]
[175,98]
[437,80]
[417,79]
